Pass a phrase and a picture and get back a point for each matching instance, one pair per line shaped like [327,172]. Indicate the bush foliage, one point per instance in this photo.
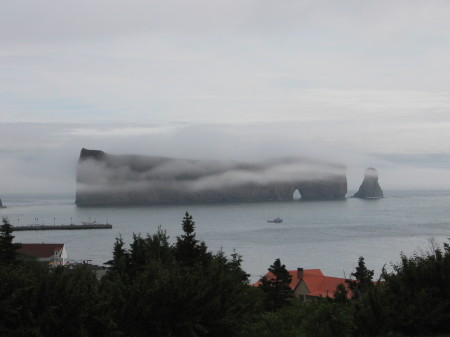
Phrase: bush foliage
[154,288]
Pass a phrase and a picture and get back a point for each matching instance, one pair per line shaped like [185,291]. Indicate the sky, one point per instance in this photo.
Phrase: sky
[361,83]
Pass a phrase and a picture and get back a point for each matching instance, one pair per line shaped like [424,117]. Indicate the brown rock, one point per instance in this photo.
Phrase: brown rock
[129,179]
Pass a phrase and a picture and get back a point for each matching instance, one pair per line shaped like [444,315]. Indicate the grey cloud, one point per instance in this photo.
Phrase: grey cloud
[29,20]
[348,81]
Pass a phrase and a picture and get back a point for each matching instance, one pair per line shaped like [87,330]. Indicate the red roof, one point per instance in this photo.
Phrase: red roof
[317,283]
[41,250]
[313,274]
[324,286]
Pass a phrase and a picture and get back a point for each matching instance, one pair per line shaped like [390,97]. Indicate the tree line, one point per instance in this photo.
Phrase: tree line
[154,288]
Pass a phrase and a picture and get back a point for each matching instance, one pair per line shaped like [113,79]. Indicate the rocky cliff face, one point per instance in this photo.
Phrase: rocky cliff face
[370,188]
[129,179]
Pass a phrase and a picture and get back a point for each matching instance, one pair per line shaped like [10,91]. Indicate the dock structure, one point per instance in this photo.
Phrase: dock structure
[84,225]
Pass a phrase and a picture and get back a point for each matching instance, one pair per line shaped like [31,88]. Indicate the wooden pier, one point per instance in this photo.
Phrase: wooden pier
[84,225]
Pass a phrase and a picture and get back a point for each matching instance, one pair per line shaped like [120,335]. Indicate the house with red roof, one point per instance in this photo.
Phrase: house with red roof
[54,254]
[310,283]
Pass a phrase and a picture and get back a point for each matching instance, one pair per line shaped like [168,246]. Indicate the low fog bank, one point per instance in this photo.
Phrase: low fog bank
[106,172]
[42,158]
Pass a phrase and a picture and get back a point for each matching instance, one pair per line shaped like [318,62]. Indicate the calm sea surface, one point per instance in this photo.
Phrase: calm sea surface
[329,235]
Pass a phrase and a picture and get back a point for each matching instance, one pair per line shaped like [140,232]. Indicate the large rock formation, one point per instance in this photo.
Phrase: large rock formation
[130,179]
[370,188]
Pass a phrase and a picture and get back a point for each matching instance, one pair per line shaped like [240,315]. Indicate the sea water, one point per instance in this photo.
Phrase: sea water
[329,235]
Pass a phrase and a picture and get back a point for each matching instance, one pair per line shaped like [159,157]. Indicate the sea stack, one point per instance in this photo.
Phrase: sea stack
[370,188]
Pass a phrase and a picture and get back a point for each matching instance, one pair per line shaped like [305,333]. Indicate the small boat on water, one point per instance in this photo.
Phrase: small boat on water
[276,220]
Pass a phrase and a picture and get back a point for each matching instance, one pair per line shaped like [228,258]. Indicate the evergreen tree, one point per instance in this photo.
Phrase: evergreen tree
[363,281]
[120,262]
[158,248]
[276,286]
[180,290]
[416,295]
[150,251]
[341,294]
[188,250]
[8,249]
